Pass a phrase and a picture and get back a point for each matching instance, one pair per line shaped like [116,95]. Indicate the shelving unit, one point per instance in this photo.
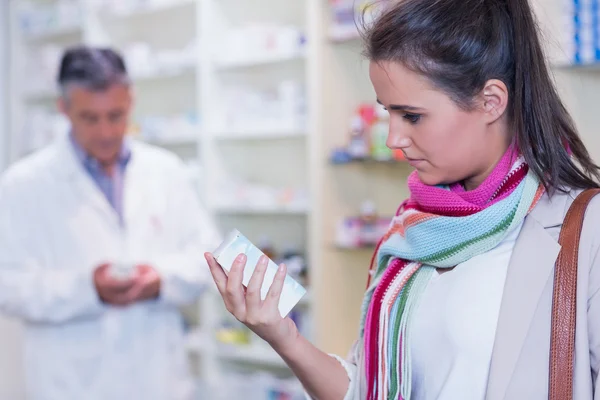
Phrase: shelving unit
[185,100]
[261,154]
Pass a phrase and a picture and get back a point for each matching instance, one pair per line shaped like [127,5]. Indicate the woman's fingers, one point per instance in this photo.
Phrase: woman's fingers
[234,290]
[217,273]
[274,293]
[253,291]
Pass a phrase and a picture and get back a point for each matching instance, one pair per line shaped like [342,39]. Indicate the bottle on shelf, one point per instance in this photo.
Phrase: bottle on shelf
[358,147]
[296,264]
[369,232]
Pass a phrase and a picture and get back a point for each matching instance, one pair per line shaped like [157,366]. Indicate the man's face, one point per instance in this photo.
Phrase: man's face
[99,119]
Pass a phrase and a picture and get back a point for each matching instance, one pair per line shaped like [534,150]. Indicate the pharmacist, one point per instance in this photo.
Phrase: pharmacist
[101,242]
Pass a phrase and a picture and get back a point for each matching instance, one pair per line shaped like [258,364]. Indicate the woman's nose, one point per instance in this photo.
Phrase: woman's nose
[399,142]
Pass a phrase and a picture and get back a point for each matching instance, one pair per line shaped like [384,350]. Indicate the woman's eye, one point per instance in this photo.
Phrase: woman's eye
[412,118]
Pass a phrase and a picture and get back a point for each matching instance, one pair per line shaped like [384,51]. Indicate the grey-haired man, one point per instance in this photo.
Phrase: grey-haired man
[101,242]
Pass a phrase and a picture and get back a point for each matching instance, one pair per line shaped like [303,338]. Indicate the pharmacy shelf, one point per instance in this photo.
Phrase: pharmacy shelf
[258,134]
[41,95]
[197,343]
[261,355]
[54,34]
[226,65]
[259,210]
[182,71]
[591,67]
[255,355]
[147,9]
[173,141]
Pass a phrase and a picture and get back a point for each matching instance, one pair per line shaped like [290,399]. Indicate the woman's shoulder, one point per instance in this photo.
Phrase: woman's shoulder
[592,210]
[559,203]
[553,206]
[551,209]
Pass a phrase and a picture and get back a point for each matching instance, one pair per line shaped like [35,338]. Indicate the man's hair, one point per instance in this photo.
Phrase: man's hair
[92,68]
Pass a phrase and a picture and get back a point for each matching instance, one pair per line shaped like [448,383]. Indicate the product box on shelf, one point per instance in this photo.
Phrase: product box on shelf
[580,42]
[361,231]
[255,43]
[39,19]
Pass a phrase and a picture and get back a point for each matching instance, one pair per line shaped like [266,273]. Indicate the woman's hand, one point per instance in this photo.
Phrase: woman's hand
[261,316]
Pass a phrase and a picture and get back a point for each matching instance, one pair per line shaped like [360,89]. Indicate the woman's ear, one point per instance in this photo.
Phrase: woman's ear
[495,100]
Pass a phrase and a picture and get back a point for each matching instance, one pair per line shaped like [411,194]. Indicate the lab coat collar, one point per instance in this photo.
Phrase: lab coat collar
[91,163]
[77,179]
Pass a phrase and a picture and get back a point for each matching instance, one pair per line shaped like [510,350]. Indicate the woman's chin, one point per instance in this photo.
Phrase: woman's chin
[429,179]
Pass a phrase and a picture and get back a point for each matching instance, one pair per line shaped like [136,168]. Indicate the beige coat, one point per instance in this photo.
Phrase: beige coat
[519,365]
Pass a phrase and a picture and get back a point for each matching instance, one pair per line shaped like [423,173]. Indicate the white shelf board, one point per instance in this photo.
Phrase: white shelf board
[173,141]
[254,210]
[184,70]
[259,355]
[255,134]
[53,33]
[591,67]
[41,95]
[196,342]
[150,9]
[261,61]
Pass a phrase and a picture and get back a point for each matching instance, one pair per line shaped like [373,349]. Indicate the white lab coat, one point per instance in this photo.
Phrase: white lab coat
[55,228]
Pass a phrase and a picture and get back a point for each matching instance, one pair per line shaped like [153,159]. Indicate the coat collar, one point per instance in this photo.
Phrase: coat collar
[528,273]
[72,173]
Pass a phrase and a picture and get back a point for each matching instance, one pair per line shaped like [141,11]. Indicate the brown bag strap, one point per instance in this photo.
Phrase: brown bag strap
[562,339]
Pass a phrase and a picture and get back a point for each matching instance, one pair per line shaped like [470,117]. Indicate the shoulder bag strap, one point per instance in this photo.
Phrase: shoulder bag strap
[562,339]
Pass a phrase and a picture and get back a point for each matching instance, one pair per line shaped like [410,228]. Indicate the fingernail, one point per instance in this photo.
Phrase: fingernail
[281,268]
[241,258]
[263,261]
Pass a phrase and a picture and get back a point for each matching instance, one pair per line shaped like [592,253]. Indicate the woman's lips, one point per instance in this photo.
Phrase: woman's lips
[414,162]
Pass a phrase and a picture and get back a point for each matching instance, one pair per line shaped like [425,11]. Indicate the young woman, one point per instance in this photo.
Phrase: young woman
[459,303]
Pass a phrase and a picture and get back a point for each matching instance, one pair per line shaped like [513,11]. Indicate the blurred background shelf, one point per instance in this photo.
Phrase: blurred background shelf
[260,61]
[127,8]
[260,210]
[260,134]
[54,33]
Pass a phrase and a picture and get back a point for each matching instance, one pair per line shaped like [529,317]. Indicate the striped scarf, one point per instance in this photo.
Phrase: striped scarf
[438,227]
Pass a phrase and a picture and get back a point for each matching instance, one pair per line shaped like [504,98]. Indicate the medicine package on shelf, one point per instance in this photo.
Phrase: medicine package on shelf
[235,244]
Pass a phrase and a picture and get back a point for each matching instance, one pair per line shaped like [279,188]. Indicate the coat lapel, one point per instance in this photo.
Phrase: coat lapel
[79,183]
[531,265]
[136,181]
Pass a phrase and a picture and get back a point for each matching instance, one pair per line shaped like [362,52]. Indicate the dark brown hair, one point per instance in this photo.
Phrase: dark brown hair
[461,44]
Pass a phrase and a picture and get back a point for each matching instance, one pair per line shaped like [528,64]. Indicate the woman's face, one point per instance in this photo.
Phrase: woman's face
[444,143]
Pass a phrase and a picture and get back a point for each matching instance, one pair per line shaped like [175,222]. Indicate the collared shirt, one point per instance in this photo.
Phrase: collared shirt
[110,185]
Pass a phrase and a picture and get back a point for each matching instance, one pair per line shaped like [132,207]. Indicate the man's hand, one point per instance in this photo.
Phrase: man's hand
[110,290]
[146,284]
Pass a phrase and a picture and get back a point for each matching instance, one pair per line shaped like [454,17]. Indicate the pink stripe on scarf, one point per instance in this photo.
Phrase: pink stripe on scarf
[457,198]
